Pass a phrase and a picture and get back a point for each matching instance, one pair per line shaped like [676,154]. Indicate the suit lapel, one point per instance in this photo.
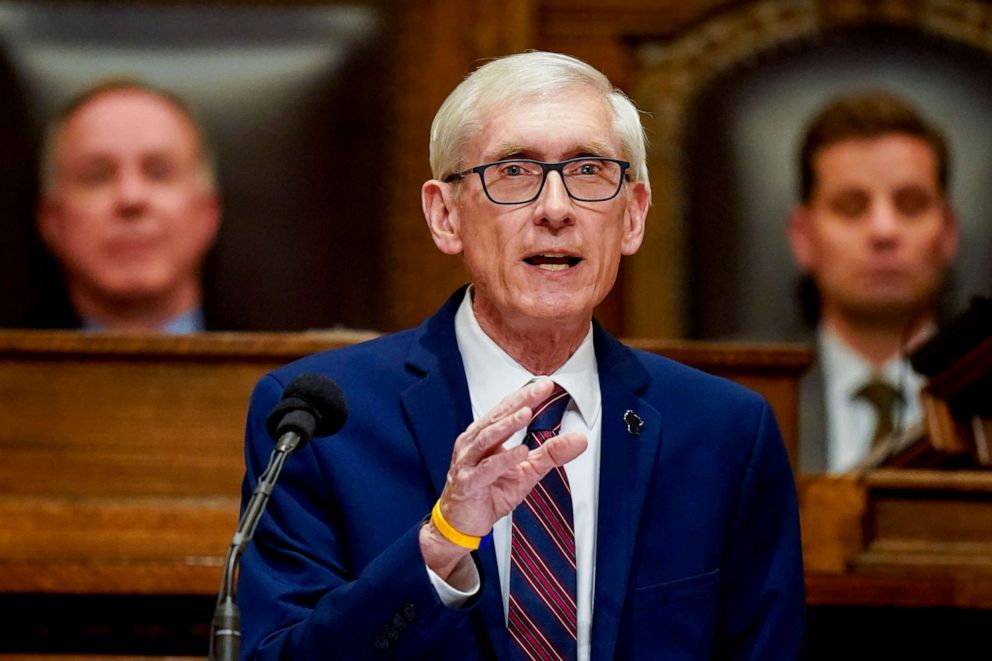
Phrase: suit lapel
[813,421]
[439,408]
[436,417]
[626,466]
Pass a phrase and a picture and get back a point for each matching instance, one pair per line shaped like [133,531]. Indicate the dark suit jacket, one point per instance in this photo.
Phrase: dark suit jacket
[698,552]
[813,421]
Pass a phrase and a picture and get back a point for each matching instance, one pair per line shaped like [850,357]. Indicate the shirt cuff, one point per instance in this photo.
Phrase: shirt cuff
[452,597]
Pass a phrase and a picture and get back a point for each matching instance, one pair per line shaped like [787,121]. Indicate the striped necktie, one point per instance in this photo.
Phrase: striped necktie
[542,615]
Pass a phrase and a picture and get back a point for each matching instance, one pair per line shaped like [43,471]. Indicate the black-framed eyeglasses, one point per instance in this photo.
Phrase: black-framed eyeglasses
[521,180]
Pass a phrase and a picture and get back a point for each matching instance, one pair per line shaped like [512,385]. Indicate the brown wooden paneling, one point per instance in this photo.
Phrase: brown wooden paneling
[123,454]
[898,538]
[772,370]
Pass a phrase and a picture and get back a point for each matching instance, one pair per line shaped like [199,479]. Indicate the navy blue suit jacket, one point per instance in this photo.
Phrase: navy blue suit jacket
[698,552]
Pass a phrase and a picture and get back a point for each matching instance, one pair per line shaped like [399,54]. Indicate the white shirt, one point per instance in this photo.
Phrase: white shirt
[851,419]
[188,322]
[492,374]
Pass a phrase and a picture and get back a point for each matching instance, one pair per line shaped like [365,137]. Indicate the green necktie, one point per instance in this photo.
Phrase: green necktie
[883,398]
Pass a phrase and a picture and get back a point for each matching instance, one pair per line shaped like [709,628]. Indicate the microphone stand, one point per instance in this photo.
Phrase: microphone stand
[225,629]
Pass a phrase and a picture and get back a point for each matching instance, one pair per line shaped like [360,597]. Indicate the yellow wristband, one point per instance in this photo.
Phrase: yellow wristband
[470,542]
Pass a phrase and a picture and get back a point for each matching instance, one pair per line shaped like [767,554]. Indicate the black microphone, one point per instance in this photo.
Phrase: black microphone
[311,405]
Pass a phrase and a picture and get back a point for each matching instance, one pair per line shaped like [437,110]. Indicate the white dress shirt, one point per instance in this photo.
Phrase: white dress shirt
[492,374]
[850,419]
[188,322]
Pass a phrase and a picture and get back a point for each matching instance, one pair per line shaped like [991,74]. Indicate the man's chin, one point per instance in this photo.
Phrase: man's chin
[559,303]
[135,292]
[886,310]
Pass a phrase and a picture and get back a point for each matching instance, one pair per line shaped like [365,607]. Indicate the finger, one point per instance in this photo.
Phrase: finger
[497,465]
[466,502]
[490,439]
[511,414]
[527,396]
[557,451]
[524,469]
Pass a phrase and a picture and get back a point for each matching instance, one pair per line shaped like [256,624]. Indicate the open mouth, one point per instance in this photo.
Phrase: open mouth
[553,261]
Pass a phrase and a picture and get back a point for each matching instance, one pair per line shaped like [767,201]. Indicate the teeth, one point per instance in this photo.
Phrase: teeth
[552,261]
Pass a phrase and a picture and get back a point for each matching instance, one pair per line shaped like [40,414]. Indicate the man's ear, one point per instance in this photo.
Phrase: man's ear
[210,211]
[800,238]
[950,236]
[635,218]
[49,223]
[437,200]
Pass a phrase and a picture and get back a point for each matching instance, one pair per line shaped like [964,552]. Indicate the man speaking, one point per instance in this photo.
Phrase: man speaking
[512,482]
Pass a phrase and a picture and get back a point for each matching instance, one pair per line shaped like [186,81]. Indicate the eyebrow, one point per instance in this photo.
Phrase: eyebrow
[510,150]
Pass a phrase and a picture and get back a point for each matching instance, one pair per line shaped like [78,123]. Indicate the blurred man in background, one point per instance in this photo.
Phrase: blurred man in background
[129,208]
[875,235]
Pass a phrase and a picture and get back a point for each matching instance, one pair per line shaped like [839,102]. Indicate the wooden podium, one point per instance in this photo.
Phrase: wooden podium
[121,469]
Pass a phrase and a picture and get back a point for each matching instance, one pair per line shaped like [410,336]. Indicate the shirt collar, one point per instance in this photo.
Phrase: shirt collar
[492,374]
[847,371]
[189,322]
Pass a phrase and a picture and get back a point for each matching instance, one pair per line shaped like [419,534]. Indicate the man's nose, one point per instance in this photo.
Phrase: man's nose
[884,220]
[554,206]
[132,192]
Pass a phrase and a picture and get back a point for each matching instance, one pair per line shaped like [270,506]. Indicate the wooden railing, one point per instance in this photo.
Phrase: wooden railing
[121,469]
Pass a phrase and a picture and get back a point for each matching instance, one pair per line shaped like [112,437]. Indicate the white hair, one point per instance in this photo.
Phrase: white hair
[505,80]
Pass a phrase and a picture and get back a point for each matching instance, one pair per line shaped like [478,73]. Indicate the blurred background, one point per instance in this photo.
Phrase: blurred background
[320,113]
[296,102]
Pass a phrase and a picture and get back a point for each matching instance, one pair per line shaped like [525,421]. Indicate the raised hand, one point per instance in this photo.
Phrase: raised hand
[486,481]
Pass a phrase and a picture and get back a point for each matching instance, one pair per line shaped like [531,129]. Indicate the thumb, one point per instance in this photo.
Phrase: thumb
[558,451]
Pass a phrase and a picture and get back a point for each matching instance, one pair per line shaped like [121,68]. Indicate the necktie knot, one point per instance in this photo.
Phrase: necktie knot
[883,398]
[548,414]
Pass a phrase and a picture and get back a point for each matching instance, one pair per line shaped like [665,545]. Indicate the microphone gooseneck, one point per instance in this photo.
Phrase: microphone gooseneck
[311,405]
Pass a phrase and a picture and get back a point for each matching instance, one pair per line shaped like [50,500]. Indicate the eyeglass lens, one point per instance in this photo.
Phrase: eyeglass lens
[589,180]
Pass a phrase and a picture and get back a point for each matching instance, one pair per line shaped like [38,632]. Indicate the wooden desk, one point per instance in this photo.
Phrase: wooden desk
[898,563]
[122,462]
[898,537]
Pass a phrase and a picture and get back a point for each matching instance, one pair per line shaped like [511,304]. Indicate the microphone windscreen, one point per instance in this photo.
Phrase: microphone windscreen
[313,394]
